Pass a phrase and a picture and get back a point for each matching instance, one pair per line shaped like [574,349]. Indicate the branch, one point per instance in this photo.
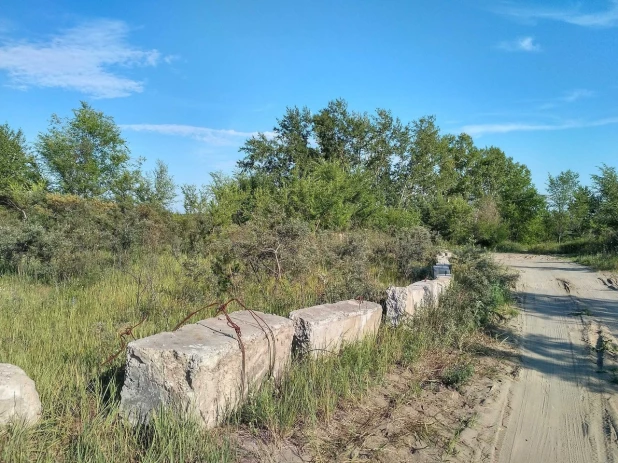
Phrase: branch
[9,202]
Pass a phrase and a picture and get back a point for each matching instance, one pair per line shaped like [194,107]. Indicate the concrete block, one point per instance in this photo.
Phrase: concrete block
[444,281]
[402,301]
[325,328]
[199,368]
[19,399]
[430,290]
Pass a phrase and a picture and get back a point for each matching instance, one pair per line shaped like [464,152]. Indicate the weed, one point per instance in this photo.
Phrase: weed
[457,375]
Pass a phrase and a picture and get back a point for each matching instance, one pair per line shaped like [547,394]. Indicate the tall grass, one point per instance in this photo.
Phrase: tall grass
[599,261]
[60,335]
[312,388]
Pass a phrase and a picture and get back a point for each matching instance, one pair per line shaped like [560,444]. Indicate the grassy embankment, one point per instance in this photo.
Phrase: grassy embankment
[61,333]
[585,252]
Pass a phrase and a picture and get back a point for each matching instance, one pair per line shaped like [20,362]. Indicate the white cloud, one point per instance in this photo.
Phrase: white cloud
[85,58]
[483,129]
[605,18]
[204,134]
[569,97]
[578,94]
[522,44]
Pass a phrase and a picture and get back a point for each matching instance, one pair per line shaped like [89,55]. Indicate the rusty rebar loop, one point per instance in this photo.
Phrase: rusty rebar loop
[263,326]
[223,309]
[184,320]
[123,342]
[261,323]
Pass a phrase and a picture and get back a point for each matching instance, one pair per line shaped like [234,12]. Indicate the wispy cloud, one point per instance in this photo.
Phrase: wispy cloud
[522,44]
[573,15]
[569,97]
[85,58]
[578,94]
[483,129]
[204,134]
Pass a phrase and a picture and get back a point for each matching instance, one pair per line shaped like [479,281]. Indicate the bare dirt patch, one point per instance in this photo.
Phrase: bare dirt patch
[412,417]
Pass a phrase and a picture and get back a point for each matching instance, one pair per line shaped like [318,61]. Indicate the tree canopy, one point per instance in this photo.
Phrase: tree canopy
[86,154]
[411,168]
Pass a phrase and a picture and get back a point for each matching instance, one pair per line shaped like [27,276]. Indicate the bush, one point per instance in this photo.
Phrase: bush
[457,375]
[66,236]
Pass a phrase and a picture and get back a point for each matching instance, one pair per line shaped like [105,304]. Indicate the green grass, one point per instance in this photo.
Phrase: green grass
[582,251]
[608,262]
[61,334]
[312,388]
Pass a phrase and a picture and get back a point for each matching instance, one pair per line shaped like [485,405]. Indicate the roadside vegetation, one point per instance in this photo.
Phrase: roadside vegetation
[581,222]
[333,205]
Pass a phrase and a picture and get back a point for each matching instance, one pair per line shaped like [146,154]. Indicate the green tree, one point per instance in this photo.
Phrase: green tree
[606,188]
[452,217]
[488,226]
[86,154]
[158,187]
[419,168]
[389,140]
[510,184]
[581,210]
[19,171]
[341,135]
[289,149]
[560,196]
[18,167]
[331,196]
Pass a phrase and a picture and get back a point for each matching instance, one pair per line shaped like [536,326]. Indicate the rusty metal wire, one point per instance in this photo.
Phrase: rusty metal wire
[184,320]
[123,342]
[263,326]
[221,309]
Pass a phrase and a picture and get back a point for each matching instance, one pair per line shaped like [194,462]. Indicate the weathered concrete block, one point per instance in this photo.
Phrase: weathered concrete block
[402,301]
[327,327]
[444,257]
[430,290]
[19,400]
[444,281]
[199,368]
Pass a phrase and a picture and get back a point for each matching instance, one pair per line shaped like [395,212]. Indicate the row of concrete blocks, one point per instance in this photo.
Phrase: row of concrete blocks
[201,368]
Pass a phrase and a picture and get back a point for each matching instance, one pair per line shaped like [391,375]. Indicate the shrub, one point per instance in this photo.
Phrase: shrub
[457,375]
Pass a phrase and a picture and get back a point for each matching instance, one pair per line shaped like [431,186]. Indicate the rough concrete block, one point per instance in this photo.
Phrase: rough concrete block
[402,301]
[444,281]
[325,328]
[444,257]
[430,290]
[199,368]
[19,400]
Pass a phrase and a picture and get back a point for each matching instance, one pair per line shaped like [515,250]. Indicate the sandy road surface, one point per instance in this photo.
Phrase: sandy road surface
[563,406]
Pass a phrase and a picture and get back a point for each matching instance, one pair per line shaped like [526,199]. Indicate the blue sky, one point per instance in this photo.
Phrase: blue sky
[190,80]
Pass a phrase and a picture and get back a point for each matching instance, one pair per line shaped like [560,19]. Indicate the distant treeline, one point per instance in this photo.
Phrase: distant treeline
[335,170]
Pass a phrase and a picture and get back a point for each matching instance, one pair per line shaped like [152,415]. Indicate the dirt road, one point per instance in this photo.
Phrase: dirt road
[563,406]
